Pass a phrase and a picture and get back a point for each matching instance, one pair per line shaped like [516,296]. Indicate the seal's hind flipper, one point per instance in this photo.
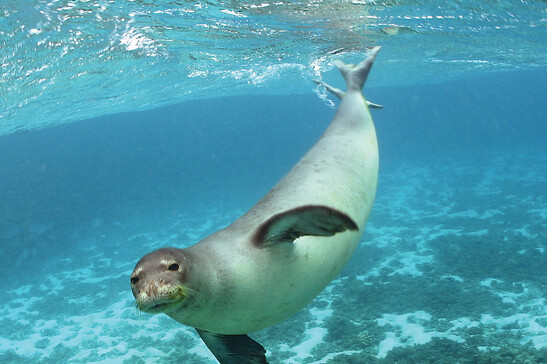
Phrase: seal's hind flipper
[309,220]
[355,76]
[340,94]
[374,106]
[335,91]
[234,349]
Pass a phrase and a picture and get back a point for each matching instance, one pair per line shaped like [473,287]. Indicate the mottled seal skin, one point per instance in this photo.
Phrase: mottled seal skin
[273,260]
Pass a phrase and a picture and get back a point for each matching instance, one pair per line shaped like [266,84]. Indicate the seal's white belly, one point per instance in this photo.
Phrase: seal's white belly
[300,273]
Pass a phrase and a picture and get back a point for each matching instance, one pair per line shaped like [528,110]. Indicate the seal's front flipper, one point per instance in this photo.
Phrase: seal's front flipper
[234,349]
[314,220]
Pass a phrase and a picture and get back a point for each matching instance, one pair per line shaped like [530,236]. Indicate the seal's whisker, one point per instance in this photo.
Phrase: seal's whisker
[191,292]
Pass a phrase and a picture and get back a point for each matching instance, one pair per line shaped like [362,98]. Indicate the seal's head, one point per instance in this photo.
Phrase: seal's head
[159,280]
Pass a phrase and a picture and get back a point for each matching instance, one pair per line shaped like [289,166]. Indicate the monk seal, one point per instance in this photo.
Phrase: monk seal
[273,260]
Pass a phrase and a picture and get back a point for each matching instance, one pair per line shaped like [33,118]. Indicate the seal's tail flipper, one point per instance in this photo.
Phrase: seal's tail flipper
[335,91]
[355,76]
[374,106]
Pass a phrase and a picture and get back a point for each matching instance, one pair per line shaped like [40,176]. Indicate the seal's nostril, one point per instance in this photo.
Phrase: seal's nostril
[134,280]
[173,267]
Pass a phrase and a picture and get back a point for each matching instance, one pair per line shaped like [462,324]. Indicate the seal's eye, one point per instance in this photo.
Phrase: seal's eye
[174,267]
[134,280]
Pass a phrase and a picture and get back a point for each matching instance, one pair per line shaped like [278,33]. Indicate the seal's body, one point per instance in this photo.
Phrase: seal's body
[277,257]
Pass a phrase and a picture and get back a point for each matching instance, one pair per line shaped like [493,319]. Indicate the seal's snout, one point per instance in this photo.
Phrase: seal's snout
[155,296]
[151,288]
[158,280]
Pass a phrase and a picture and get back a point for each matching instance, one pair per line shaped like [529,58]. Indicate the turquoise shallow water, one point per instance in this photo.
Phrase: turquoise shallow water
[125,129]
[64,60]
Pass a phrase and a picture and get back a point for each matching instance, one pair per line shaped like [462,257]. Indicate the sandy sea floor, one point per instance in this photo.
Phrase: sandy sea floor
[452,266]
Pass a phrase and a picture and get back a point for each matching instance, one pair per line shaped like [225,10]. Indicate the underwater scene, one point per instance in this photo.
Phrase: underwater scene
[130,126]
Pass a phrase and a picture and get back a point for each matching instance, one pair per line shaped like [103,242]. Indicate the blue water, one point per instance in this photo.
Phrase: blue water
[452,266]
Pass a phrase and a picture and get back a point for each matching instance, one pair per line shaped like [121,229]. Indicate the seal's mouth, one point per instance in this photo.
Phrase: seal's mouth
[156,307]
[164,299]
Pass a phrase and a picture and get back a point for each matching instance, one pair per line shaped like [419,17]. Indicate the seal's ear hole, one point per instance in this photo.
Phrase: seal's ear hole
[134,280]
[173,267]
